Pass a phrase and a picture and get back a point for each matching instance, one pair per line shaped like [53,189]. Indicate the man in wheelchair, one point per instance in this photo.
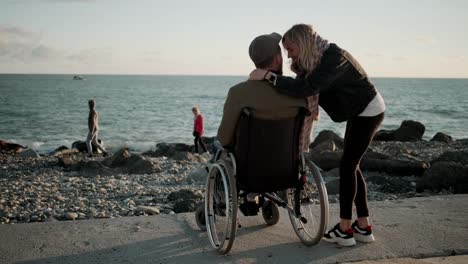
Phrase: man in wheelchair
[259,97]
[262,165]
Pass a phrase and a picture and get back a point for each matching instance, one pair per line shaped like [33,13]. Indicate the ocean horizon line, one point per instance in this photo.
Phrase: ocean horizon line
[218,75]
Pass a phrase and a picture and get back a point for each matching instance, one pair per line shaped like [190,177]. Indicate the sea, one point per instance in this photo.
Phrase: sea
[139,111]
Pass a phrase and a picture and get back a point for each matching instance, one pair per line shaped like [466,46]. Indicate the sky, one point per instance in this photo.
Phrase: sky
[417,38]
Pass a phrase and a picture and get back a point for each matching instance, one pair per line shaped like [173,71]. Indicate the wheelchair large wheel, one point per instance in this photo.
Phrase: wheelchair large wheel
[312,200]
[221,206]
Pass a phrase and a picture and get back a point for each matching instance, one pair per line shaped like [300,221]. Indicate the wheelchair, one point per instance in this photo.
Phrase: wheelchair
[264,172]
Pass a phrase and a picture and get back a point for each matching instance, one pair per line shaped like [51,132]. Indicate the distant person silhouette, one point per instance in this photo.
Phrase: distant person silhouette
[93,126]
[198,129]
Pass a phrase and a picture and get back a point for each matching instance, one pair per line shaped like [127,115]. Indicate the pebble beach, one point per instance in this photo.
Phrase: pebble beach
[69,185]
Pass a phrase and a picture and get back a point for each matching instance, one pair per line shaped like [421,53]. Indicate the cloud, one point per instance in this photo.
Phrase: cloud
[14,32]
[426,39]
[95,55]
[151,53]
[400,58]
[151,56]
[21,44]
[45,52]
[453,58]
[374,54]
[226,58]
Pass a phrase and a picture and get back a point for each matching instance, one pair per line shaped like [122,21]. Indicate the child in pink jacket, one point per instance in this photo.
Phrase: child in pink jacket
[198,129]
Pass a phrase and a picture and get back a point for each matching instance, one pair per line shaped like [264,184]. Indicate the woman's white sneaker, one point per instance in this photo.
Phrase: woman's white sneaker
[362,235]
[335,235]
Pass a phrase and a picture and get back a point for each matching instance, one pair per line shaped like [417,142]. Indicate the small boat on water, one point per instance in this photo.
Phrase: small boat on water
[78,77]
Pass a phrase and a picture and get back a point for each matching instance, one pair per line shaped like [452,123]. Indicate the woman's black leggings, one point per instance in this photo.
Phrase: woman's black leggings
[197,140]
[360,131]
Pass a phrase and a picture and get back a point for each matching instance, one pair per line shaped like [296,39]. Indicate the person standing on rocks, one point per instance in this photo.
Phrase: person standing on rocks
[93,126]
[198,129]
[346,94]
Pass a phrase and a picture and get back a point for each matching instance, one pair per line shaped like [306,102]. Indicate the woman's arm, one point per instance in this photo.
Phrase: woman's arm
[332,67]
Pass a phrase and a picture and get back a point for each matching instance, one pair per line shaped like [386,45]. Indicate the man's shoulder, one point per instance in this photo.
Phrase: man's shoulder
[247,85]
[261,89]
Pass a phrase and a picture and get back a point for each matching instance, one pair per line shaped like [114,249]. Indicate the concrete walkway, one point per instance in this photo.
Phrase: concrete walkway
[418,228]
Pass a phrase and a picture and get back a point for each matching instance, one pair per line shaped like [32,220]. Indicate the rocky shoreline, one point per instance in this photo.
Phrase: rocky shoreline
[68,185]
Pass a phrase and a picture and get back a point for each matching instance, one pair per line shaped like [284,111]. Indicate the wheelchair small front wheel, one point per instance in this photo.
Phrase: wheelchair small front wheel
[200,217]
[270,213]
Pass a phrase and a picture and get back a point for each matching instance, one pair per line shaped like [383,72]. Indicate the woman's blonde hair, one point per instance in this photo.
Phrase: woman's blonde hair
[196,109]
[311,48]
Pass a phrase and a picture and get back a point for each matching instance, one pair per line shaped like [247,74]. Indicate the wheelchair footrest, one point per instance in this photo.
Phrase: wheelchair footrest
[249,208]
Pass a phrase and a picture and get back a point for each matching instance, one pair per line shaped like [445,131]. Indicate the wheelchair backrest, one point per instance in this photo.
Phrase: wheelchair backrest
[267,152]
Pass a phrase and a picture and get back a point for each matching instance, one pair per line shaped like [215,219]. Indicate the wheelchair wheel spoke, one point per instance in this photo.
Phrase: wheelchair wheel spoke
[309,223]
[221,209]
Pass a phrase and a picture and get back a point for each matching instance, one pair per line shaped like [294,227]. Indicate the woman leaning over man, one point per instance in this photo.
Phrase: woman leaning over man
[346,94]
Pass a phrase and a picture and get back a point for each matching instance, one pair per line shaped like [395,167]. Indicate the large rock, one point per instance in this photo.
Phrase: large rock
[28,153]
[65,152]
[10,147]
[327,145]
[326,160]
[81,146]
[391,184]
[185,200]
[445,175]
[91,168]
[408,131]
[139,165]
[119,159]
[372,161]
[394,166]
[455,156]
[327,135]
[334,173]
[65,162]
[121,162]
[129,163]
[58,150]
[371,154]
[169,149]
[333,186]
[395,150]
[184,194]
[441,137]
[183,155]
[185,206]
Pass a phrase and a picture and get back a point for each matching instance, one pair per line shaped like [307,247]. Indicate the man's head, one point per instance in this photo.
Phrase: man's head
[91,104]
[265,52]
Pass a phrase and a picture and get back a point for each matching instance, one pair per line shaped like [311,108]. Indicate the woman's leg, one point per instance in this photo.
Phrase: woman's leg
[359,134]
[202,144]
[195,141]
[361,196]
